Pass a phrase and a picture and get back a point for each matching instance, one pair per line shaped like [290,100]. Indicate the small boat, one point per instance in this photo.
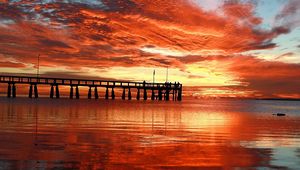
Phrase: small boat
[279,114]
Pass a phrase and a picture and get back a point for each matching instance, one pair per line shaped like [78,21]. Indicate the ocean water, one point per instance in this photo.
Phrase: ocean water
[105,134]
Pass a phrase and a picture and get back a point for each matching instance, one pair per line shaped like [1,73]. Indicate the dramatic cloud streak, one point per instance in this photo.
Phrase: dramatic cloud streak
[202,47]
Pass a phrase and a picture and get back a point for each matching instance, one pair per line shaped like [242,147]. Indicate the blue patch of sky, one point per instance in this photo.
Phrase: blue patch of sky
[268,10]
[208,5]
[289,42]
[90,3]
[6,21]
[285,43]
[265,9]
[32,15]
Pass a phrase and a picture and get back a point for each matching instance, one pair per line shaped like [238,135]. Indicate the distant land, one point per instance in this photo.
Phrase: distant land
[242,98]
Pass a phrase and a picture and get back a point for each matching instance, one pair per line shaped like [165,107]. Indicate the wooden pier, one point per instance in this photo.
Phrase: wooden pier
[157,91]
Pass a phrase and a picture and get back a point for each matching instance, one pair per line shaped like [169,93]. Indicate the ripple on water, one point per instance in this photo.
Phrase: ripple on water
[121,134]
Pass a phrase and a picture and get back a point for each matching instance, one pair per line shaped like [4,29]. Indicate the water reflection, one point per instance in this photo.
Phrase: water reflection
[86,134]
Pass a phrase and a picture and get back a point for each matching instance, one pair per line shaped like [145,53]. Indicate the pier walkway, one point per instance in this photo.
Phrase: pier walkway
[158,91]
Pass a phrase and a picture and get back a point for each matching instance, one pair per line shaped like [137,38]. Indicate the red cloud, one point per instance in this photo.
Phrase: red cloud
[122,29]
[114,33]
[11,64]
[270,78]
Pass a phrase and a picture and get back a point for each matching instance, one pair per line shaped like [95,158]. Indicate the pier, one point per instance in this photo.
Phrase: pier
[144,90]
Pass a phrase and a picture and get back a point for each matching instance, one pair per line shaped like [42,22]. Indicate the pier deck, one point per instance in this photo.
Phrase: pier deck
[159,91]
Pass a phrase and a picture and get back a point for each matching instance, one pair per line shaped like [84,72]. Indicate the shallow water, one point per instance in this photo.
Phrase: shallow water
[99,134]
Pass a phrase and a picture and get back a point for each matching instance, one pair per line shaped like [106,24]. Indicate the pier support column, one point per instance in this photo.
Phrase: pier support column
[138,94]
[167,95]
[57,92]
[71,92]
[179,98]
[96,93]
[9,90]
[152,95]
[167,92]
[145,94]
[129,94]
[173,95]
[30,91]
[113,94]
[36,95]
[160,94]
[90,93]
[14,90]
[77,92]
[123,94]
[106,93]
[51,91]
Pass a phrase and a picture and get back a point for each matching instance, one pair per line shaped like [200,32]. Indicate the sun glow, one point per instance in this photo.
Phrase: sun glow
[196,121]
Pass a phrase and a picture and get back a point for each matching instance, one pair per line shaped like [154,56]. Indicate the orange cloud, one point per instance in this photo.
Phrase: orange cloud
[149,33]
[258,78]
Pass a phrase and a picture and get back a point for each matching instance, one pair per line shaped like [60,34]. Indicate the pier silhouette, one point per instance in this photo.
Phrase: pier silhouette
[158,91]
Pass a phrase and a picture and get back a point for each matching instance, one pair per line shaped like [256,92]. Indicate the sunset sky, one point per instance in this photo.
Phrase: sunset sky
[215,48]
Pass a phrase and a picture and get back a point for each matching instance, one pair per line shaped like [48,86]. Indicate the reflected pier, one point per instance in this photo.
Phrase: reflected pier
[159,91]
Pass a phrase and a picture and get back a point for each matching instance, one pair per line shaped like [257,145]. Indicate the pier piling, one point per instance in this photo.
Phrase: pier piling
[90,93]
[77,92]
[145,94]
[173,95]
[129,94]
[96,93]
[30,91]
[36,95]
[51,91]
[160,94]
[9,90]
[14,90]
[106,93]
[123,94]
[113,94]
[71,92]
[138,94]
[180,93]
[152,95]
[57,91]
[167,93]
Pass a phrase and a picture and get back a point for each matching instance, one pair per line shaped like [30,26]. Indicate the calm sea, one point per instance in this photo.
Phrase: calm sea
[195,134]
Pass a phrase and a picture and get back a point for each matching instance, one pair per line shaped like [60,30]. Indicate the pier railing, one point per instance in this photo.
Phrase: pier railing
[159,91]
